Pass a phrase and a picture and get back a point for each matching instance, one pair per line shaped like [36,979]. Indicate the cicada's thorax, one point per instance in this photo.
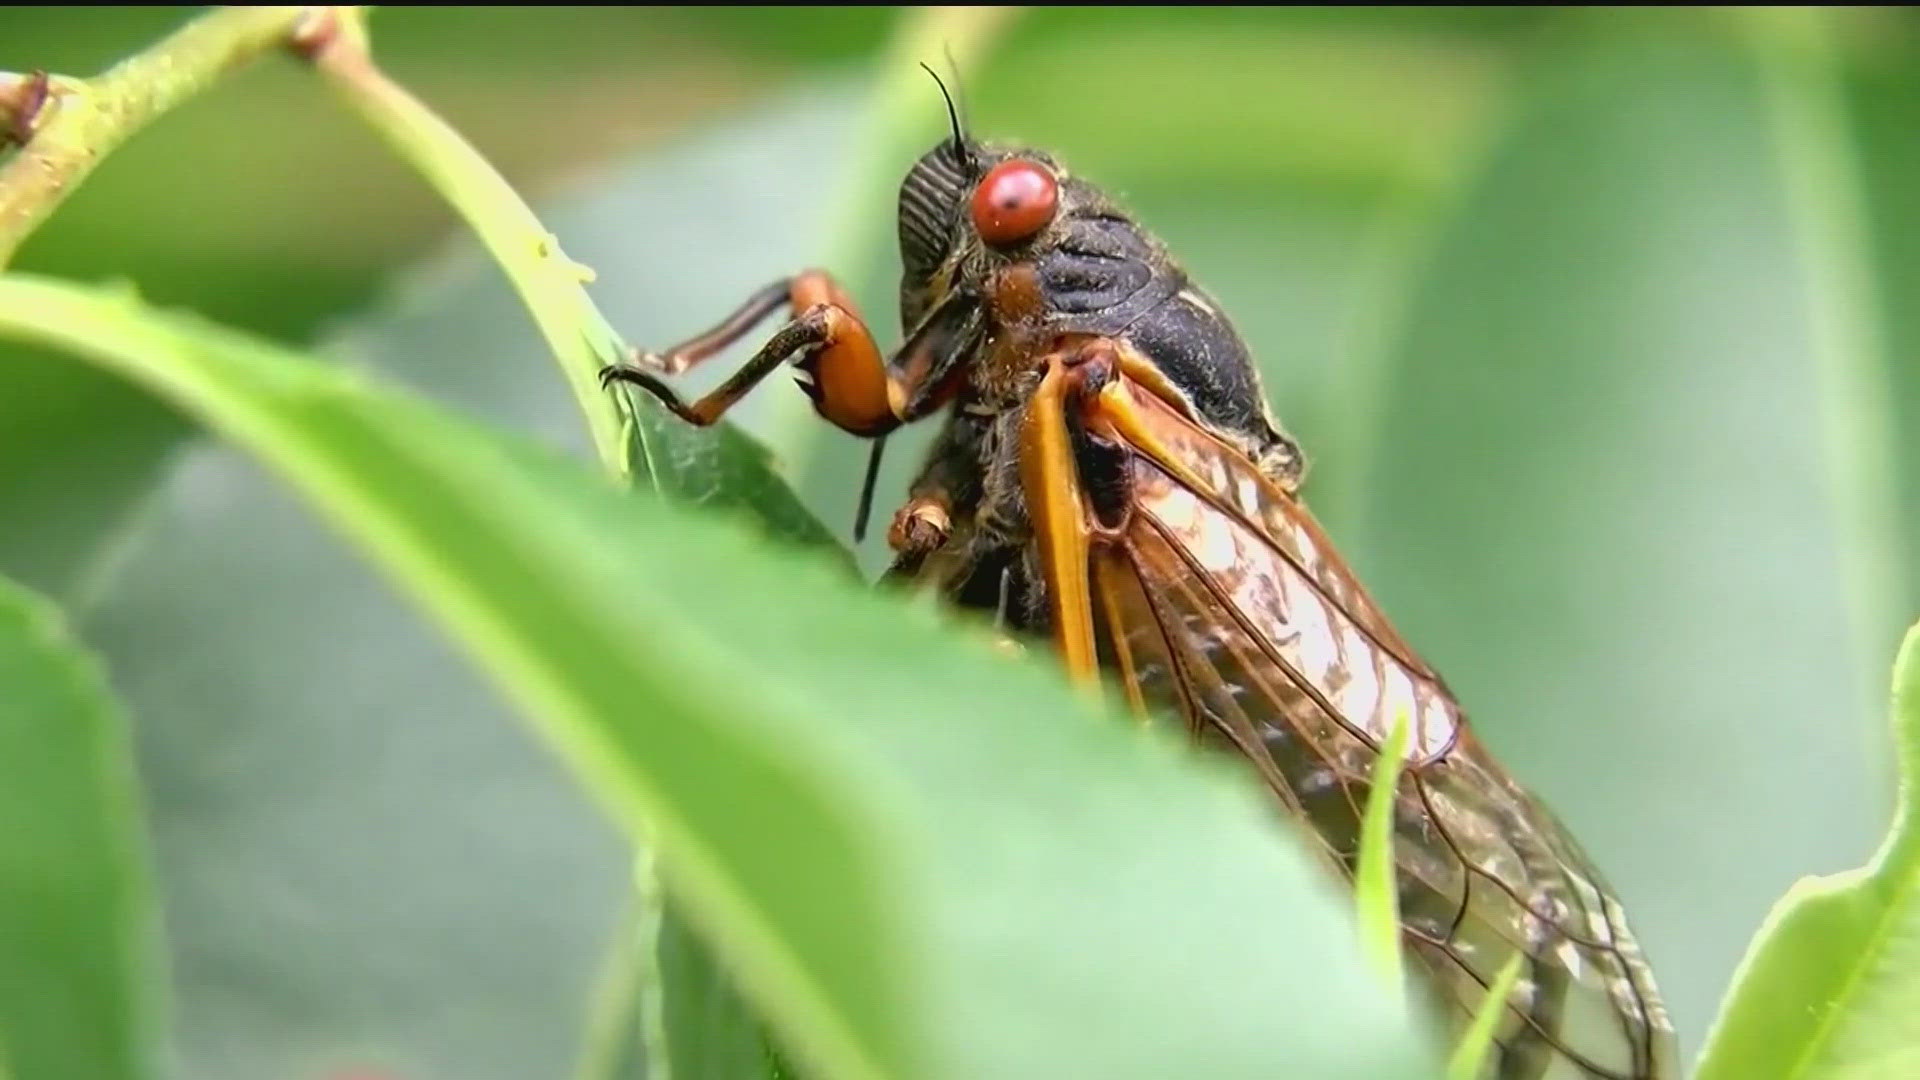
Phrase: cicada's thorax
[1097,274]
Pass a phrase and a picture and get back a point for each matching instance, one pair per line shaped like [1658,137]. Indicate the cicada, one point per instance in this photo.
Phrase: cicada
[1108,477]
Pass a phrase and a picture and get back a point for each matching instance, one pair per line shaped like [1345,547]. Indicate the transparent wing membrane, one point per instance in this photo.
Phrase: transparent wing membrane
[1222,603]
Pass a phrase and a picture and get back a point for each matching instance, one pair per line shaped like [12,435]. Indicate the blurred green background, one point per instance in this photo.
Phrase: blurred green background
[1598,327]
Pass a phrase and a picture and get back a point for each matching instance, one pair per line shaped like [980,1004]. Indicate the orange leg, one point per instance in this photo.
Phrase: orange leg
[807,331]
[923,524]
[735,326]
[843,372]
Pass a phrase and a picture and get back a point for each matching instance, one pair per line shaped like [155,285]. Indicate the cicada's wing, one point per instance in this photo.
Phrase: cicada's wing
[1222,601]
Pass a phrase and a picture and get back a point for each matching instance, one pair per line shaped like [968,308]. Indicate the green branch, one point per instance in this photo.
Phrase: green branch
[70,125]
[549,283]
[81,121]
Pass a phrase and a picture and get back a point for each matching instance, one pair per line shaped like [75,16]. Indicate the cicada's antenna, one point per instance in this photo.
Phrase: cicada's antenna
[962,150]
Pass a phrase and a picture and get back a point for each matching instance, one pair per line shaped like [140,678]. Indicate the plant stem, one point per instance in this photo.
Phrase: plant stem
[550,284]
[87,120]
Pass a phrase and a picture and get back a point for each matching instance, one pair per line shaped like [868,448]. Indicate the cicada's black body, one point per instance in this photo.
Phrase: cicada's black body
[1108,476]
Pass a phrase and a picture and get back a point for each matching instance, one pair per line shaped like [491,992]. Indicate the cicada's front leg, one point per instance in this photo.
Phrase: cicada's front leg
[852,385]
[841,369]
[825,336]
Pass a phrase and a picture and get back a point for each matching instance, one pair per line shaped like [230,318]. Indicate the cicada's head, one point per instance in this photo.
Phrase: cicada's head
[963,197]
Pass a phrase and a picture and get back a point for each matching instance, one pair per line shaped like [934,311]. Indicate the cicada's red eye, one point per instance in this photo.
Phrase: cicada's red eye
[1015,200]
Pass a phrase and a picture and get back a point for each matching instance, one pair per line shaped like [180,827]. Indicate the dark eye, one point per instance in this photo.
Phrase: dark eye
[1014,201]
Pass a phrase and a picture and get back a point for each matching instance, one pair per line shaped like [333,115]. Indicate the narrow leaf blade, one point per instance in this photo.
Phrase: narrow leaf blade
[1470,1053]
[1830,986]
[1376,895]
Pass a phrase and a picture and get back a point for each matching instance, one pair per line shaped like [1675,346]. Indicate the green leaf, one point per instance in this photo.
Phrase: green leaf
[920,858]
[79,989]
[1470,1053]
[1375,893]
[721,467]
[1830,986]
